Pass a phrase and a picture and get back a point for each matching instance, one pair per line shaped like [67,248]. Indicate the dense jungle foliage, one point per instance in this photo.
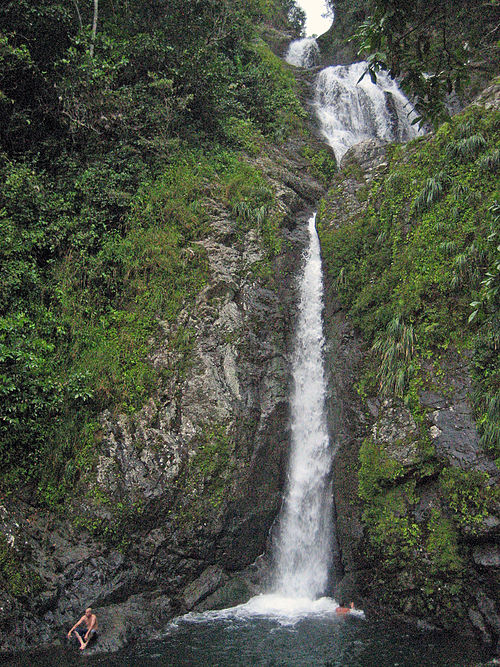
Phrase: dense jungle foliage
[433,47]
[119,121]
[419,275]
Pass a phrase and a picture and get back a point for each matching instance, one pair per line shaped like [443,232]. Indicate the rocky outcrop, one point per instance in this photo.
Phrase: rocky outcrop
[417,536]
[183,493]
[335,45]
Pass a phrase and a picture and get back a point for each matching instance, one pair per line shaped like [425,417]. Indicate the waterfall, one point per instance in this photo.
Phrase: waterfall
[303,52]
[350,110]
[350,107]
[303,548]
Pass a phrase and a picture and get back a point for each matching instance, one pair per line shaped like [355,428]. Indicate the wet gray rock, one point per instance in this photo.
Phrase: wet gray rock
[487,555]
[489,98]
[397,434]
[456,439]
[368,156]
[348,425]
[451,420]
[189,486]
[209,581]
[446,436]
[346,200]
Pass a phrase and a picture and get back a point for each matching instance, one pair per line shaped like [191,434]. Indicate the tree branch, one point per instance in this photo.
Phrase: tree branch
[79,16]
[419,25]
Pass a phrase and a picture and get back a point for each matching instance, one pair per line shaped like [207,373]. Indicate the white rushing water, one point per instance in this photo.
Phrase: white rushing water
[303,53]
[303,548]
[349,106]
[303,543]
[350,110]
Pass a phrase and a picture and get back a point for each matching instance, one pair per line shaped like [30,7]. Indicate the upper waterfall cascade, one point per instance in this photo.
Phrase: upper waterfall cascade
[303,53]
[350,107]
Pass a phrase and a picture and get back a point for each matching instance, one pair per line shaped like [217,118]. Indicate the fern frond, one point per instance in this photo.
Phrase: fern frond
[489,162]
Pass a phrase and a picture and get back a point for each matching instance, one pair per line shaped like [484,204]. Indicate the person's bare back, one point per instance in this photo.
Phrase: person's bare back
[345,610]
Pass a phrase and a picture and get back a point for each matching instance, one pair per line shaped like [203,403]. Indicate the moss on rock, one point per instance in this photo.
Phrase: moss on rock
[409,247]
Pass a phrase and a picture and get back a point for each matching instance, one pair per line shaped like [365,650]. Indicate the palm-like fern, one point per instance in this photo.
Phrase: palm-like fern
[395,350]
[341,280]
[467,148]
[490,162]
[434,188]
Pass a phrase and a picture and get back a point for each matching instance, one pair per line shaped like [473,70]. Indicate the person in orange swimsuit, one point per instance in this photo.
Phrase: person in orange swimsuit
[345,610]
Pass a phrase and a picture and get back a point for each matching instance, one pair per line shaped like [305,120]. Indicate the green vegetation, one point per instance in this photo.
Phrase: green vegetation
[114,146]
[17,578]
[395,348]
[206,477]
[424,558]
[418,274]
[393,533]
[429,45]
[468,495]
[323,163]
[113,523]
[377,470]
[427,248]
[336,45]
[442,544]
[211,465]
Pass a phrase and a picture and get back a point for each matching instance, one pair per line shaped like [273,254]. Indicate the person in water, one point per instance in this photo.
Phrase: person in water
[345,610]
[87,628]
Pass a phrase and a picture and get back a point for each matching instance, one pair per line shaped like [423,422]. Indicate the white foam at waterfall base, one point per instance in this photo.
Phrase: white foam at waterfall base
[303,52]
[351,110]
[283,610]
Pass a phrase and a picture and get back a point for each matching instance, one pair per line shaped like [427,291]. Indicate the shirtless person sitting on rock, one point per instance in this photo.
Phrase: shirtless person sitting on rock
[87,626]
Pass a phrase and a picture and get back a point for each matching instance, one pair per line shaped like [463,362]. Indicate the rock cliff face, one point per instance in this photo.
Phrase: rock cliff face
[416,535]
[185,491]
[176,506]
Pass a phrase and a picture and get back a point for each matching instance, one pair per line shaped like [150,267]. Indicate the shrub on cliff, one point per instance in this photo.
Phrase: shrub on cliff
[426,254]
[112,140]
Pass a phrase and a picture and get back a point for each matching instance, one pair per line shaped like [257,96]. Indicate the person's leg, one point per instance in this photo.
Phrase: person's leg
[82,643]
[85,643]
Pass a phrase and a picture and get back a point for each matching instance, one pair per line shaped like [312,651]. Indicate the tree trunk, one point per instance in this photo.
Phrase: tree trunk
[78,15]
[94,27]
